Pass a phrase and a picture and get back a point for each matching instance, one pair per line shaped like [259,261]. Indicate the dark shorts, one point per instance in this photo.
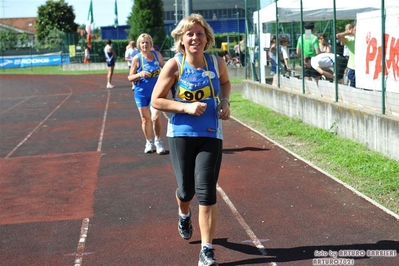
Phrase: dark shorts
[311,73]
[196,162]
[111,63]
[341,66]
[352,77]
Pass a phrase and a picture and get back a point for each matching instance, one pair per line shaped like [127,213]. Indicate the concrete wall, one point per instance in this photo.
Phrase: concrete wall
[236,72]
[93,66]
[378,132]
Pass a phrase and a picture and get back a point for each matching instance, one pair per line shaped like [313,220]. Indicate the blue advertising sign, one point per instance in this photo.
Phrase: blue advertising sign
[53,59]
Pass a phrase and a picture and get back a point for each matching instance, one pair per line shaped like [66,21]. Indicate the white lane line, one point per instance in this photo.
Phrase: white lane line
[242,222]
[82,241]
[15,105]
[85,223]
[100,141]
[360,194]
[41,123]
[30,97]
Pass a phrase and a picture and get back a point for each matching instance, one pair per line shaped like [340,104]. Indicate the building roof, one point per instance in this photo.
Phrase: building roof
[22,25]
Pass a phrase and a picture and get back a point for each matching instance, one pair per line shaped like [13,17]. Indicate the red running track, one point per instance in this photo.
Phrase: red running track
[77,189]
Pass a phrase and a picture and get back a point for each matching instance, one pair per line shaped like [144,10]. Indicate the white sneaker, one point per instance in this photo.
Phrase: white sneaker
[149,147]
[110,86]
[159,146]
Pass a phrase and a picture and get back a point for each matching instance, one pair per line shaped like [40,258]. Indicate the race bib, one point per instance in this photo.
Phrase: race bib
[194,96]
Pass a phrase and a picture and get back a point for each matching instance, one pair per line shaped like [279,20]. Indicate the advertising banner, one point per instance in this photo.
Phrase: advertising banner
[52,59]
[368,50]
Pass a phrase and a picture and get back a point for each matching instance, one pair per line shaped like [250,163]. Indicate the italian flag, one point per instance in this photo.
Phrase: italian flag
[89,23]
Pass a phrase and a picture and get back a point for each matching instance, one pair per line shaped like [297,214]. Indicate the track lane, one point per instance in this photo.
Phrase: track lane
[291,207]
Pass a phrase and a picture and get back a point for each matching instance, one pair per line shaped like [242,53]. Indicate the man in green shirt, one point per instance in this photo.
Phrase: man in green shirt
[310,49]
[348,38]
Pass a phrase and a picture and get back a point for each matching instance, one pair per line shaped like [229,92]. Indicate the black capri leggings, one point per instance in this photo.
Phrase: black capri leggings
[196,162]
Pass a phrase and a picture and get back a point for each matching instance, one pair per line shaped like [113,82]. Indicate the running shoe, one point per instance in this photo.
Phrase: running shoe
[207,257]
[185,228]
[110,86]
[159,146]
[149,147]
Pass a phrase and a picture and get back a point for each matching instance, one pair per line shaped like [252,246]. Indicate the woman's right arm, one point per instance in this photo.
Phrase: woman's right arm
[133,75]
[166,80]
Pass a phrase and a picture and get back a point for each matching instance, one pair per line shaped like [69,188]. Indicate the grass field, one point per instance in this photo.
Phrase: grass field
[54,70]
[369,172]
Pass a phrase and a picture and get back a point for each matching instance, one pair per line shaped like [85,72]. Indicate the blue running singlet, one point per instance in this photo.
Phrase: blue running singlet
[196,86]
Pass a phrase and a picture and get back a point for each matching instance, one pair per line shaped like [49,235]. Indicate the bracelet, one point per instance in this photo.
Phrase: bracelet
[225,99]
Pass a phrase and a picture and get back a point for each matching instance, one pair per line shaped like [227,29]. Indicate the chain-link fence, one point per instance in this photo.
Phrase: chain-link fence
[376,50]
[64,48]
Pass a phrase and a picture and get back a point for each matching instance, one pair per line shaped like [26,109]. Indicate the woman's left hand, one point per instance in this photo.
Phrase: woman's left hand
[224,110]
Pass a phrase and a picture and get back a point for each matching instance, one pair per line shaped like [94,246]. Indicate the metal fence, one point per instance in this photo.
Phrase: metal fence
[377,54]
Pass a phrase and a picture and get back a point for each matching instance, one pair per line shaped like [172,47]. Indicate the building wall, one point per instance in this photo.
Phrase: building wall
[224,16]
[209,9]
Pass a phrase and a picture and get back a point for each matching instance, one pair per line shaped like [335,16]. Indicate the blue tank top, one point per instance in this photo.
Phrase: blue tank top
[153,67]
[196,86]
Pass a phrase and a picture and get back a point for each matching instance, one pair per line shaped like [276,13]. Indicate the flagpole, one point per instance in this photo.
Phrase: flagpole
[116,22]
[116,15]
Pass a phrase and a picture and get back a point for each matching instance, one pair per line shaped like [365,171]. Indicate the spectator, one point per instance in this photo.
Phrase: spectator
[339,46]
[279,59]
[323,43]
[310,49]
[110,58]
[243,47]
[273,59]
[284,57]
[227,58]
[237,49]
[348,38]
[324,64]
[131,51]
[86,59]
[348,28]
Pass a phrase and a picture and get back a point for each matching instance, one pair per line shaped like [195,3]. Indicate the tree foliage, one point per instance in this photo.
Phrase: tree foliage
[54,15]
[13,40]
[147,17]
[8,40]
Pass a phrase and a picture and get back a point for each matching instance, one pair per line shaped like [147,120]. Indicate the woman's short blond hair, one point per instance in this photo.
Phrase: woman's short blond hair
[141,37]
[186,24]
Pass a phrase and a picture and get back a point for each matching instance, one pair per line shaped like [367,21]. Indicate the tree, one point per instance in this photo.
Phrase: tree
[54,15]
[8,40]
[147,17]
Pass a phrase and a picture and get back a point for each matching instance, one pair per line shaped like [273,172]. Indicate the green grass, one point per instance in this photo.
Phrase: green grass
[367,171]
